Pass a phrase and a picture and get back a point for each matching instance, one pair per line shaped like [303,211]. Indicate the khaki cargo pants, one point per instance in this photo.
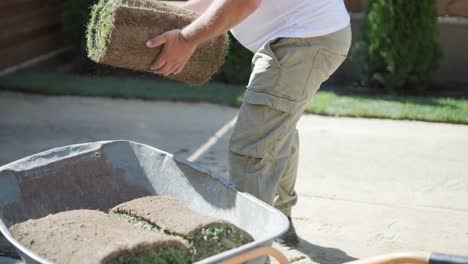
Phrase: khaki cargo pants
[263,150]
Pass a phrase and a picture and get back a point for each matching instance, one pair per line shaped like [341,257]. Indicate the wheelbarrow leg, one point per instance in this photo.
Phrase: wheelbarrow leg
[257,252]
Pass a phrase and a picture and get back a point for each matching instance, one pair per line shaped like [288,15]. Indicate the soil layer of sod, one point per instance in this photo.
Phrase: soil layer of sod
[207,236]
[118,31]
[87,236]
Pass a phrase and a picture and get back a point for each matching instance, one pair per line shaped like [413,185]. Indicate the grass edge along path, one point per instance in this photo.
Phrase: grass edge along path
[324,103]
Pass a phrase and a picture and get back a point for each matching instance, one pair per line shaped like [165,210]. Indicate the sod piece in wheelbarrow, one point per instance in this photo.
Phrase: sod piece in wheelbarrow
[207,236]
[118,31]
[87,236]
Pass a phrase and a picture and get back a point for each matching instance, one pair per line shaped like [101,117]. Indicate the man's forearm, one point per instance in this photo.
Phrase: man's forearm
[179,45]
[221,16]
[199,6]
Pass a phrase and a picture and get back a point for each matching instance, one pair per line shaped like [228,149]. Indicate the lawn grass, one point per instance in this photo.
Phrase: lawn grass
[391,107]
[325,102]
[63,84]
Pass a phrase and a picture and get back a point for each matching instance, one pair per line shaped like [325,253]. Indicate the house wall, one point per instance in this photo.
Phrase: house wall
[453,38]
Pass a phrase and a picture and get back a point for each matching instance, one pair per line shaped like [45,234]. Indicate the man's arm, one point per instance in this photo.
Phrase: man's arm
[179,45]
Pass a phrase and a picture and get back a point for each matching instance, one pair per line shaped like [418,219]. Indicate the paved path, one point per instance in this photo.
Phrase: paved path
[366,186]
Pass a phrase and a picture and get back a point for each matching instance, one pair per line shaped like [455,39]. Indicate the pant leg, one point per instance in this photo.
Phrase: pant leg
[263,149]
[286,196]
[259,150]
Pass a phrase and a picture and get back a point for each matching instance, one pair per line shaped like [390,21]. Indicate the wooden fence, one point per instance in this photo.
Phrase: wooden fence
[29,28]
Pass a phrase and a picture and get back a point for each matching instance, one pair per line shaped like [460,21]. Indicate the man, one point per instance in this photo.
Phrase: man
[298,44]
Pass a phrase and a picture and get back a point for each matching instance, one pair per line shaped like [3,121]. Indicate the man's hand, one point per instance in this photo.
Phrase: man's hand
[175,53]
[179,45]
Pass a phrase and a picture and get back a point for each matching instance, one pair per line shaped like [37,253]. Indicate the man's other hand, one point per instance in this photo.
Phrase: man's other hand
[175,53]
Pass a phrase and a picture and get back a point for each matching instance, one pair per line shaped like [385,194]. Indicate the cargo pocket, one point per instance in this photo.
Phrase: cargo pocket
[280,81]
[326,63]
[260,131]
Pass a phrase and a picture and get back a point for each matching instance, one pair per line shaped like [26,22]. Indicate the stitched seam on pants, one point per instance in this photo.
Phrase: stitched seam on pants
[260,178]
[311,71]
[244,174]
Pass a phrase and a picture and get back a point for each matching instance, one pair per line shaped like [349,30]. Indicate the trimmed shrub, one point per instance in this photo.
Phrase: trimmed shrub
[398,47]
[236,69]
[75,18]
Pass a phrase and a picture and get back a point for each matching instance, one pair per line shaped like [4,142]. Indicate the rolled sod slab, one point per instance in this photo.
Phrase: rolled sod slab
[87,236]
[207,236]
[118,30]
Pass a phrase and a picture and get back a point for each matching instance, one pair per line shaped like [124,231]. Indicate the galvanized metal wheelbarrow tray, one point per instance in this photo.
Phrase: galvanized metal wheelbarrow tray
[103,174]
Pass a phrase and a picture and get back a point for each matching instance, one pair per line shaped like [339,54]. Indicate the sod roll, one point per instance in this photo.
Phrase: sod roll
[118,31]
[207,236]
[86,236]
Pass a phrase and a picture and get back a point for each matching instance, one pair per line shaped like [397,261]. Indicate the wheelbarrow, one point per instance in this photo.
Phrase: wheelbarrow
[103,174]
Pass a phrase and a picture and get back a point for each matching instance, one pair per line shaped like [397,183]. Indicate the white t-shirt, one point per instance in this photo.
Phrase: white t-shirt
[290,18]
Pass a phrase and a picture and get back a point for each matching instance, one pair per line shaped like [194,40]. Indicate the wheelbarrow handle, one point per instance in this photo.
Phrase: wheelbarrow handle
[413,258]
[438,258]
[254,253]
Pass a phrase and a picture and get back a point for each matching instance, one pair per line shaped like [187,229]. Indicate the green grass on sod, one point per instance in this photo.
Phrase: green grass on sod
[160,256]
[163,256]
[215,239]
[137,222]
[325,102]
[99,27]
[209,242]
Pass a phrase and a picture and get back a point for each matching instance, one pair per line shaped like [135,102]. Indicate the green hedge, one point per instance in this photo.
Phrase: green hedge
[237,67]
[74,21]
[398,47]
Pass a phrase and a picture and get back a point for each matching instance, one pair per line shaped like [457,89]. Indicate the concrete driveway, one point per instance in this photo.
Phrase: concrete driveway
[366,186]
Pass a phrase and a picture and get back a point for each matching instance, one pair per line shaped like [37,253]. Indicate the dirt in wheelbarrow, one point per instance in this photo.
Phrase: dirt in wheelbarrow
[87,236]
[207,236]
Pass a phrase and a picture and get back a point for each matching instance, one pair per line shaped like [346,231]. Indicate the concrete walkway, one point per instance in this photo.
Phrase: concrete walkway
[366,186]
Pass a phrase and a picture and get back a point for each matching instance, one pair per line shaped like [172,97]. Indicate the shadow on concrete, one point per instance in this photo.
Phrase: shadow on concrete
[323,255]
